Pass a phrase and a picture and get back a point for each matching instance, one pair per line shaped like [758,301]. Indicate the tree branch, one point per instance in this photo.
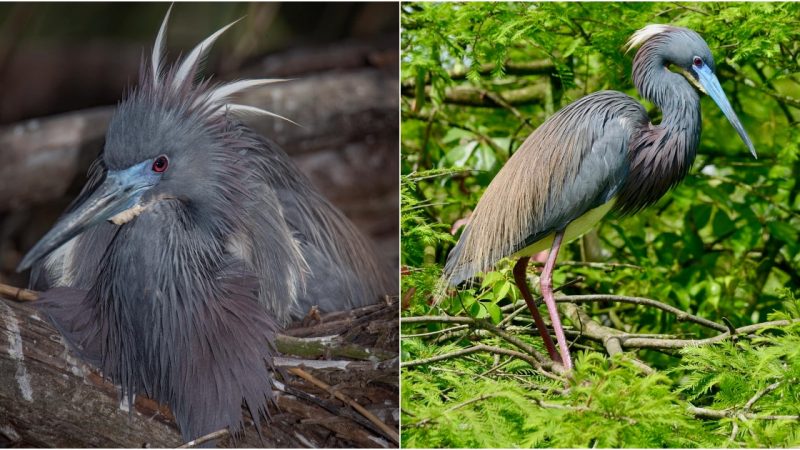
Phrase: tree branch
[707,413]
[679,314]
[474,349]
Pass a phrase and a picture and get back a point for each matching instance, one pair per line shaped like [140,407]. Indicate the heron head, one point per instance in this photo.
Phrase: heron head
[167,141]
[685,50]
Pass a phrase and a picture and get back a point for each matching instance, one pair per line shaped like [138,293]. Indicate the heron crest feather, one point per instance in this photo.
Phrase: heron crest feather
[215,101]
[645,34]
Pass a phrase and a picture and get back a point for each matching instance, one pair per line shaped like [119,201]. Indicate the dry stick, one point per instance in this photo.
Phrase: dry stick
[18,294]
[333,407]
[513,340]
[203,439]
[392,434]
[600,333]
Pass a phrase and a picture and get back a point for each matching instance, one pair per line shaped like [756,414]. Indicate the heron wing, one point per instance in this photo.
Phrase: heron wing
[573,163]
[330,284]
[344,269]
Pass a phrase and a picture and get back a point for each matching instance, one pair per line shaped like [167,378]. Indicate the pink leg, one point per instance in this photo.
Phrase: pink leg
[546,282]
[522,283]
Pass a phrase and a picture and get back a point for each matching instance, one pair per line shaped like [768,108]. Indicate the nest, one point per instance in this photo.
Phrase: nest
[337,386]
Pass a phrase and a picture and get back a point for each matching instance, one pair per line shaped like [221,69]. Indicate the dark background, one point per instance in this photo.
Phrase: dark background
[57,57]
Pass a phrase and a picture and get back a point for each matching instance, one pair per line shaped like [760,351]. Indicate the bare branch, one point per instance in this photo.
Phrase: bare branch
[759,395]
[636,342]
[609,337]
[680,315]
[474,349]
[707,413]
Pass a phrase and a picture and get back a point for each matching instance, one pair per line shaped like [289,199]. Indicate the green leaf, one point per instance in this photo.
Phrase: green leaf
[494,311]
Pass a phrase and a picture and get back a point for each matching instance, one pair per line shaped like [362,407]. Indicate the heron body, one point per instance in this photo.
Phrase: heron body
[596,155]
[193,241]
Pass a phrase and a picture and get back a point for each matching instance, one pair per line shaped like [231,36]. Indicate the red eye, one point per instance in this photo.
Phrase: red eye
[160,164]
[698,61]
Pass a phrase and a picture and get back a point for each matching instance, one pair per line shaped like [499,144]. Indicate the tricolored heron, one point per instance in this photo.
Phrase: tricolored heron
[193,240]
[598,154]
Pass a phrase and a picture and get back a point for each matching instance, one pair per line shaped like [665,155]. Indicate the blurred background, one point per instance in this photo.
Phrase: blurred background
[63,67]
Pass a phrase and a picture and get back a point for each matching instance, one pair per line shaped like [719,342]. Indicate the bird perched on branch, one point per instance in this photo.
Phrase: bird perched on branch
[598,154]
[193,240]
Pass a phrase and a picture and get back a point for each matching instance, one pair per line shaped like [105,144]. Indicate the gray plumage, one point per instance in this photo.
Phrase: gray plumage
[181,299]
[600,148]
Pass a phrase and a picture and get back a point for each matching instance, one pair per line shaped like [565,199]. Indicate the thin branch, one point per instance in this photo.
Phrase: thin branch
[442,319]
[681,343]
[390,433]
[541,362]
[679,314]
[327,364]
[759,395]
[513,340]
[707,413]
[434,333]
[478,348]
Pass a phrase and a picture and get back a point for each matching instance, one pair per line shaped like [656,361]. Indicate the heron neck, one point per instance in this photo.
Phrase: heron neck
[674,96]
[660,155]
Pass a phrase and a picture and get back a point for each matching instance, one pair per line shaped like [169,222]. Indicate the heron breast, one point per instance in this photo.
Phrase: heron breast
[574,230]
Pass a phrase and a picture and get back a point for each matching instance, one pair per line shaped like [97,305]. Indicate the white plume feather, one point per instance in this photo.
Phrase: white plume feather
[221,93]
[158,48]
[197,53]
[645,34]
[244,109]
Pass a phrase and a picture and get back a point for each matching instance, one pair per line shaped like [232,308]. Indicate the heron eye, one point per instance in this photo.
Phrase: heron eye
[160,164]
[698,61]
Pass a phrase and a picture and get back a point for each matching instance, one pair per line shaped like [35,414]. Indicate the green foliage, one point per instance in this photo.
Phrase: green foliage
[723,244]
[728,375]
[608,404]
